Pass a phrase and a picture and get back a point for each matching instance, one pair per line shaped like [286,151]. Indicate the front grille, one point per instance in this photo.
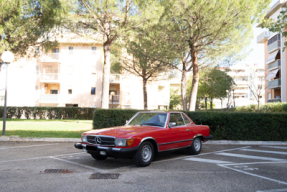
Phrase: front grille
[101,140]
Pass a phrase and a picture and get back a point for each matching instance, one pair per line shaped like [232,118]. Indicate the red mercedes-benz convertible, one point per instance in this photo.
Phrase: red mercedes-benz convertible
[144,135]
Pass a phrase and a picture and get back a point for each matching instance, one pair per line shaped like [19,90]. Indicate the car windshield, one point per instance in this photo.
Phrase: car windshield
[149,119]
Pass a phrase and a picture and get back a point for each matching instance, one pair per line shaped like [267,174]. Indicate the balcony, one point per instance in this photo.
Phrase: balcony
[274,46]
[114,99]
[274,84]
[115,78]
[274,65]
[262,37]
[49,77]
[274,100]
[243,91]
[51,57]
[49,98]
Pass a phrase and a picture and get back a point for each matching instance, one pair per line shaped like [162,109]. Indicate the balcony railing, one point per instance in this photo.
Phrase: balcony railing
[115,78]
[49,77]
[114,99]
[274,84]
[274,46]
[274,65]
[273,100]
[49,98]
[262,37]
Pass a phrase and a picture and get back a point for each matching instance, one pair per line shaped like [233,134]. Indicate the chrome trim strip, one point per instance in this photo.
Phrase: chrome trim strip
[84,145]
[175,148]
[116,149]
[175,142]
[105,148]
[146,138]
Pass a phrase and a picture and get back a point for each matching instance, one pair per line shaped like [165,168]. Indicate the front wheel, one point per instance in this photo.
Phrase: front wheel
[195,147]
[98,157]
[144,155]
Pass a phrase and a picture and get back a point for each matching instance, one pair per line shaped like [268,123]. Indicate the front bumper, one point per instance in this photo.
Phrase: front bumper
[107,151]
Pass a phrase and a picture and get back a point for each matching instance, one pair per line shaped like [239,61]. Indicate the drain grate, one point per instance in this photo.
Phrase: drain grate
[104,176]
[57,171]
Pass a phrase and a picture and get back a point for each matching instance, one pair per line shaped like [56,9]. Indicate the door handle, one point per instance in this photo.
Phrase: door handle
[188,130]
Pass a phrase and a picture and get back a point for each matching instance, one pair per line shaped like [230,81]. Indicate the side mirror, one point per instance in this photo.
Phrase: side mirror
[171,124]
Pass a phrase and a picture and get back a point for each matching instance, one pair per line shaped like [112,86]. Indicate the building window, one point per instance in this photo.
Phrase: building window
[37,50]
[71,49]
[56,50]
[70,91]
[94,50]
[269,95]
[93,91]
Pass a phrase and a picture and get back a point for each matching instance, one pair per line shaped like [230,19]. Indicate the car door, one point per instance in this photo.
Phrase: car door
[179,134]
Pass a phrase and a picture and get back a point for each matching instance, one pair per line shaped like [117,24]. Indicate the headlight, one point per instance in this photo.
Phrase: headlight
[124,142]
[120,142]
[84,138]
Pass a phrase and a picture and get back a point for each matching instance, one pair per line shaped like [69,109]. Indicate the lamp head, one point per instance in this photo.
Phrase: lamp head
[7,57]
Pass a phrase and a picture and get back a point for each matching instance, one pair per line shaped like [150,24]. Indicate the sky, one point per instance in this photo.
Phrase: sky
[256,54]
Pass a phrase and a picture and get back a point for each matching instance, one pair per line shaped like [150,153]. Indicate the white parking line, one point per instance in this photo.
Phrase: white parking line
[274,190]
[263,151]
[275,147]
[207,160]
[249,156]
[255,163]
[78,164]
[34,158]
[259,176]
[28,146]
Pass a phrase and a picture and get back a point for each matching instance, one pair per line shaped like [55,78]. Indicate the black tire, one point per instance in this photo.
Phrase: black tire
[195,147]
[144,155]
[98,157]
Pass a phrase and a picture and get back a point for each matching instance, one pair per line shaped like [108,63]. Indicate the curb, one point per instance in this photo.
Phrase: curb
[70,140]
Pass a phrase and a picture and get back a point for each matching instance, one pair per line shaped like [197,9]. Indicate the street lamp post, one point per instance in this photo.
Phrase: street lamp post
[7,57]
[112,94]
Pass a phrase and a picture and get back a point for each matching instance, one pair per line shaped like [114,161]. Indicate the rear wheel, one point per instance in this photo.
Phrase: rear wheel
[98,157]
[195,147]
[144,155]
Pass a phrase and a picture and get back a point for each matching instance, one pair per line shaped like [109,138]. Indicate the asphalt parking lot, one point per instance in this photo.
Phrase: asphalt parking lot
[216,168]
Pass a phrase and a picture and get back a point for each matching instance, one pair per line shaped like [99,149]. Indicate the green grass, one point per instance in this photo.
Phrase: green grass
[46,128]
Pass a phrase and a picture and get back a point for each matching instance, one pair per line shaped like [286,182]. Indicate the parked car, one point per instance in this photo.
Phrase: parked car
[144,135]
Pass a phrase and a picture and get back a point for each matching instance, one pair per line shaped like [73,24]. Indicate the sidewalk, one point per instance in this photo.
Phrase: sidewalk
[73,140]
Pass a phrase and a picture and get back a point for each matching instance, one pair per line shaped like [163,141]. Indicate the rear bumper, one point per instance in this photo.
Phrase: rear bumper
[208,137]
[109,151]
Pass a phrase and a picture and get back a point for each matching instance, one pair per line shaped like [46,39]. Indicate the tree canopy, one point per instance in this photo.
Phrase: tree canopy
[26,23]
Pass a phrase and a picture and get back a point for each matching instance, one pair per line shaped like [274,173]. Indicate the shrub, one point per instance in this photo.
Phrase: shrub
[223,125]
[264,108]
[48,112]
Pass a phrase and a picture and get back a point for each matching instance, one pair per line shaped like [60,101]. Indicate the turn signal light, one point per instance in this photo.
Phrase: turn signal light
[130,142]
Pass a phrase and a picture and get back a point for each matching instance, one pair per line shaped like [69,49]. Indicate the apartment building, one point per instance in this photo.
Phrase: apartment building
[247,78]
[71,76]
[275,58]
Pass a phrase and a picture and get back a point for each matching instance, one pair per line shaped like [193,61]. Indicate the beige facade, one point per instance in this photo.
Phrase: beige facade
[71,75]
[275,59]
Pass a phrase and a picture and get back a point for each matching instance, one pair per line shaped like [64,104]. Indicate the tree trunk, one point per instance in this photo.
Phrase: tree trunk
[211,103]
[258,103]
[195,80]
[205,103]
[145,94]
[106,75]
[183,91]
[221,105]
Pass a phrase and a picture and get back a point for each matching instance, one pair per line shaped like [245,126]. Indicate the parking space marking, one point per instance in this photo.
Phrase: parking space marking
[274,190]
[249,156]
[207,160]
[35,158]
[28,146]
[275,147]
[71,162]
[254,175]
[263,151]
[255,163]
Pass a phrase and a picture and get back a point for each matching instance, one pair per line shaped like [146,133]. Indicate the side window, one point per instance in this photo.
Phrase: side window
[186,120]
[177,118]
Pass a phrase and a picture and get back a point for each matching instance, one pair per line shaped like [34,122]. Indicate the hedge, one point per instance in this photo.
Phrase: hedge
[277,107]
[223,126]
[48,112]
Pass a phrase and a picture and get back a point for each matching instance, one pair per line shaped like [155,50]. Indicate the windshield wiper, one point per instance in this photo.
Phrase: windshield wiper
[152,124]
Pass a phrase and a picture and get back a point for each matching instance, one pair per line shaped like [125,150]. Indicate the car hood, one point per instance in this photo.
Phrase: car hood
[122,131]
